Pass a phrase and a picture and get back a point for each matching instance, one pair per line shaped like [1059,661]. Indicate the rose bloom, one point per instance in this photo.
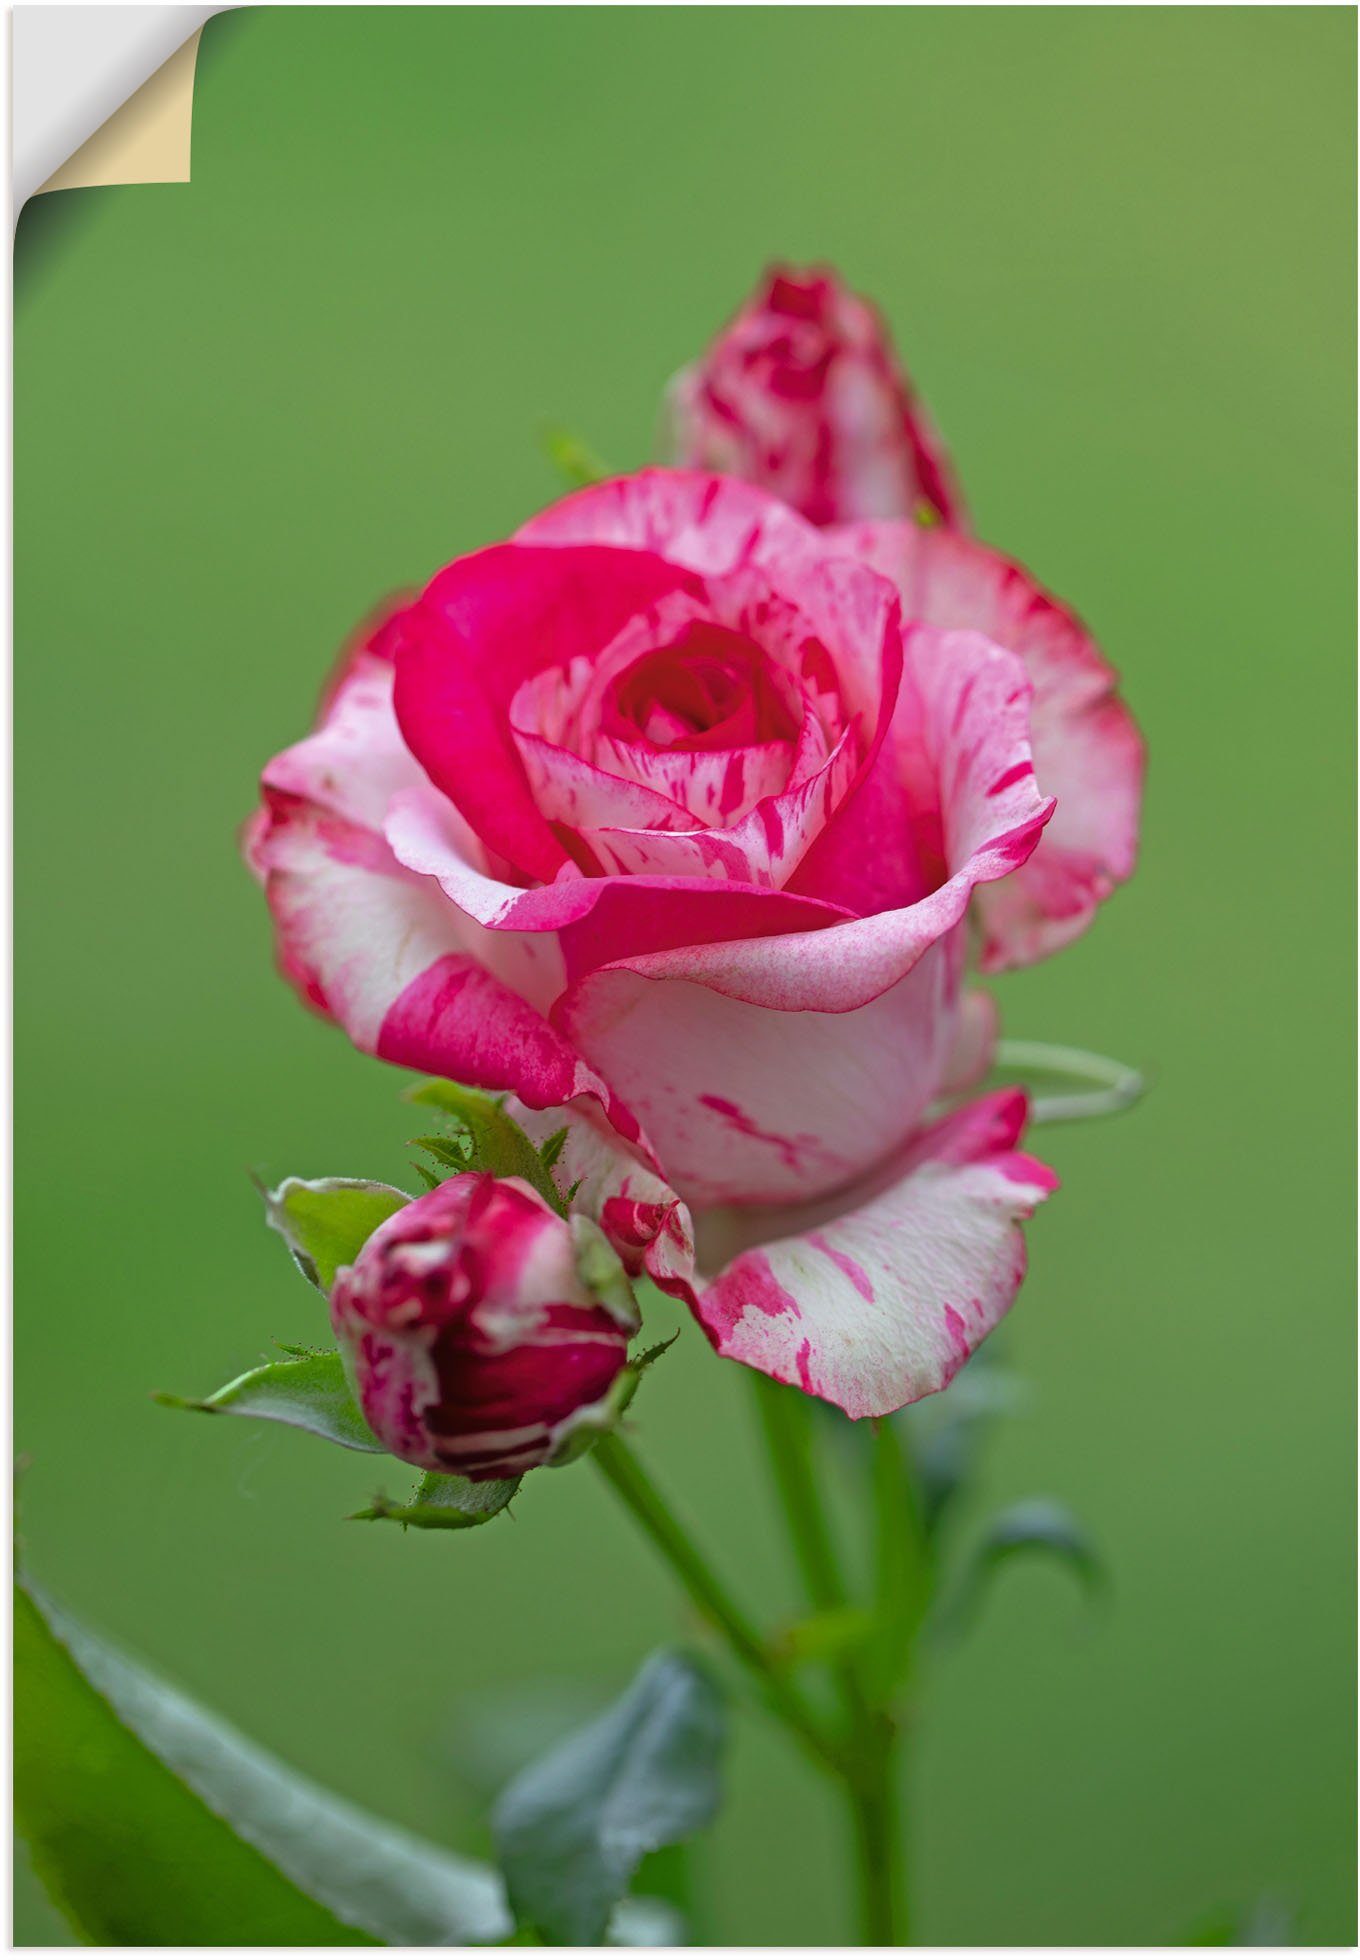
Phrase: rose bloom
[474,1341]
[803,395]
[670,813]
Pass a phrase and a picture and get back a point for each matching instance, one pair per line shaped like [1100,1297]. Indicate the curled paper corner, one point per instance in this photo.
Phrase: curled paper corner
[102,95]
[148,140]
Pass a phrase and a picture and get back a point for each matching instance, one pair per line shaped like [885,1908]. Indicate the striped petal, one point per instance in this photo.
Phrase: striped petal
[881,1304]
[1087,749]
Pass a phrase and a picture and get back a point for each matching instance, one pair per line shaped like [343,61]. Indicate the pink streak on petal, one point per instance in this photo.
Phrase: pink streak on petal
[853,1271]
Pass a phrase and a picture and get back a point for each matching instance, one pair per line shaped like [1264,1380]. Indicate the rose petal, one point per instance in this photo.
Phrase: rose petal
[648,1225]
[713,525]
[597,920]
[745,1106]
[378,948]
[686,1035]
[482,627]
[1087,750]
[881,1305]
[691,517]
[975,1039]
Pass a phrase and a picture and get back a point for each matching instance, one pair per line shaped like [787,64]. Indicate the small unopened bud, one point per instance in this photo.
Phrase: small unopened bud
[483,1332]
[802,395]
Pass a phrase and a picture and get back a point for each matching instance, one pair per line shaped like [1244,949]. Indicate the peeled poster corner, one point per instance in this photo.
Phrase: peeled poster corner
[102,95]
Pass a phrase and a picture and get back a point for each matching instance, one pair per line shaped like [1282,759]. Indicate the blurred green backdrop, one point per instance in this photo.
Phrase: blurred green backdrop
[1117,249]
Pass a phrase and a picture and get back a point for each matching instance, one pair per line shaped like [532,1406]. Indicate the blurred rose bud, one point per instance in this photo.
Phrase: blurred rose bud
[483,1331]
[802,395]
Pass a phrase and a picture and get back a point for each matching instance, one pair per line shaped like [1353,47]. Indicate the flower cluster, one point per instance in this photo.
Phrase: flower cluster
[676,816]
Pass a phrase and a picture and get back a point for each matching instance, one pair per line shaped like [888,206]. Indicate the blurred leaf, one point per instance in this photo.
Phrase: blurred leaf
[310,1393]
[945,1433]
[571,1829]
[1036,1524]
[1268,1923]
[486,1138]
[445,1503]
[498,1731]
[1080,1084]
[827,1636]
[325,1220]
[575,459]
[153,1822]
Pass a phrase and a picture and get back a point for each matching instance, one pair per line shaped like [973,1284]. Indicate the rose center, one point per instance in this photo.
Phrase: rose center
[710,688]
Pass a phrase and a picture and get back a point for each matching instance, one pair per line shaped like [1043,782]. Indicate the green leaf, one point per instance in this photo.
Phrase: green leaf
[1036,1524]
[571,1829]
[152,1822]
[1081,1084]
[945,1433]
[309,1393]
[487,1139]
[131,1855]
[445,1503]
[575,459]
[325,1220]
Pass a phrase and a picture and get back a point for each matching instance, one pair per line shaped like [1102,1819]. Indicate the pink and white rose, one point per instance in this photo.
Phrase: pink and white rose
[803,395]
[474,1338]
[664,815]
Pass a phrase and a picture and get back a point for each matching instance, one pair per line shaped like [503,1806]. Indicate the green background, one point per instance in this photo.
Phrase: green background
[1117,248]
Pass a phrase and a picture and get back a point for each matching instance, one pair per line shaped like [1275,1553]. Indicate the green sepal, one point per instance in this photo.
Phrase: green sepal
[602,1273]
[945,1434]
[571,1829]
[1079,1084]
[574,458]
[579,1432]
[640,1363]
[326,1220]
[485,1138]
[308,1391]
[441,1503]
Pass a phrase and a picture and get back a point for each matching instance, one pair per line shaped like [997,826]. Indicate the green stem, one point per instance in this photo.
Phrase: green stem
[901,1559]
[900,1579]
[786,1418]
[708,1593]
[868,1767]
[873,1804]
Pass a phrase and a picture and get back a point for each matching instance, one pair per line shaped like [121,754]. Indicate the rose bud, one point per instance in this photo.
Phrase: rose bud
[802,395]
[475,1331]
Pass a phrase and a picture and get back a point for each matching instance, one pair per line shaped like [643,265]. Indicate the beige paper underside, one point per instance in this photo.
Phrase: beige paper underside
[147,141]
